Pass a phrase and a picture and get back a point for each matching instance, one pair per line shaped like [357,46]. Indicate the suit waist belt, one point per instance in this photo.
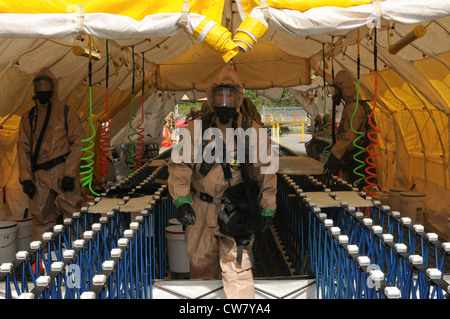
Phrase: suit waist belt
[208,198]
[51,163]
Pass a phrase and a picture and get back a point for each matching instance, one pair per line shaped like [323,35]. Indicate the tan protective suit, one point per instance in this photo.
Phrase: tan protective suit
[206,246]
[344,149]
[50,202]
[315,146]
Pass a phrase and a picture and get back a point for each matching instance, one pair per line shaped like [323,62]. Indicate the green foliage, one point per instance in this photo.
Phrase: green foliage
[287,100]
[185,107]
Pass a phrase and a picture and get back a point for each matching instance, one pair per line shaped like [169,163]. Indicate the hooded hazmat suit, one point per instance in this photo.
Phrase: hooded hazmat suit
[343,149]
[212,254]
[62,136]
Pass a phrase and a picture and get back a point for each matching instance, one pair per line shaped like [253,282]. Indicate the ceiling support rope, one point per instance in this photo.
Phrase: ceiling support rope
[131,149]
[140,129]
[326,117]
[104,131]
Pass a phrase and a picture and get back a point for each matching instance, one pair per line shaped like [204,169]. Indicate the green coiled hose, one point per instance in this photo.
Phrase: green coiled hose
[89,172]
[359,134]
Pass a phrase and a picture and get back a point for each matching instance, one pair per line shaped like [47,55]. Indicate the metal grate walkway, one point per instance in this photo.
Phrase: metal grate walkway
[269,259]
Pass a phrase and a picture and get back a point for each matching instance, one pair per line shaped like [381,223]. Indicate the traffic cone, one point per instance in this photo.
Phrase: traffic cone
[41,268]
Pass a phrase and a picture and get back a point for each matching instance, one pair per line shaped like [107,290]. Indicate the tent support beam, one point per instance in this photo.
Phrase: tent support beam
[431,54]
[442,26]
[427,90]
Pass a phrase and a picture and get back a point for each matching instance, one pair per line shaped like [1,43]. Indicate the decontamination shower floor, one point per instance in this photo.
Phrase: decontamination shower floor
[265,288]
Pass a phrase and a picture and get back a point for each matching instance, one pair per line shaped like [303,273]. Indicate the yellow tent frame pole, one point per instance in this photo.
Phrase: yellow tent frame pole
[303,131]
[278,133]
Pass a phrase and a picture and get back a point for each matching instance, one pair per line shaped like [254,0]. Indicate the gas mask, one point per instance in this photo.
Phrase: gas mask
[336,95]
[337,98]
[225,114]
[43,96]
[43,88]
[224,101]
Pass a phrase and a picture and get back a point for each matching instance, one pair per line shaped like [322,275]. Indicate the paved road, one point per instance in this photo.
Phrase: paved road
[294,141]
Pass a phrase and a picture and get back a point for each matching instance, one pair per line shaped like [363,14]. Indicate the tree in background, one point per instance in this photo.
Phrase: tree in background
[287,100]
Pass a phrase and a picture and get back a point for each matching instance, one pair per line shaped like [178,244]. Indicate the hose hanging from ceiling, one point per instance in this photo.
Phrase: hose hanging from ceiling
[326,118]
[104,131]
[140,129]
[333,108]
[132,147]
[359,134]
[372,175]
[87,180]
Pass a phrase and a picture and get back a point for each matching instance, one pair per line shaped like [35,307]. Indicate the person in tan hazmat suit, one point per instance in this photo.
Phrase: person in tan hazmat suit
[49,150]
[315,146]
[342,152]
[219,244]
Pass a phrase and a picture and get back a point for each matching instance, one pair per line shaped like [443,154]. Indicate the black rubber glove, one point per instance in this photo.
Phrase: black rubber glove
[29,188]
[185,214]
[67,184]
[332,166]
[266,222]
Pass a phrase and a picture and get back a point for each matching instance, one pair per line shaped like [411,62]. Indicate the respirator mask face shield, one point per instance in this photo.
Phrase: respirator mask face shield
[336,94]
[43,88]
[224,101]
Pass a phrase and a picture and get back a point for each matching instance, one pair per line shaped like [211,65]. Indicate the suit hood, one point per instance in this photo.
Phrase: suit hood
[45,72]
[344,80]
[227,77]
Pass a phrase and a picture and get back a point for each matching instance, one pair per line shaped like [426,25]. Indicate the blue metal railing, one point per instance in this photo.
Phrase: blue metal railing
[352,252]
[378,259]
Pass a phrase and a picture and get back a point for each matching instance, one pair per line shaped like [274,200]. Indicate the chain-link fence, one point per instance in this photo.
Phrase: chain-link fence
[283,114]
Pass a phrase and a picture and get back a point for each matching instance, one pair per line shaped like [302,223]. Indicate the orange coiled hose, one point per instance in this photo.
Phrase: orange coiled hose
[140,129]
[104,131]
[371,166]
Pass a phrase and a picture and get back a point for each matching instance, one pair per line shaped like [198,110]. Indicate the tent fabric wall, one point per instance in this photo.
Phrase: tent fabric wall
[156,107]
[10,188]
[418,151]
[9,133]
[196,68]
[312,98]
[416,103]
[13,201]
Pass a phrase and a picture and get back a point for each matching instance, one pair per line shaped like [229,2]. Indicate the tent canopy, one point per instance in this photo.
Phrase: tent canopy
[163,50]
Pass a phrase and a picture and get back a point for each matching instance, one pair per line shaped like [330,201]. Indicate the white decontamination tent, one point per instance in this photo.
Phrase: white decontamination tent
[146,55]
